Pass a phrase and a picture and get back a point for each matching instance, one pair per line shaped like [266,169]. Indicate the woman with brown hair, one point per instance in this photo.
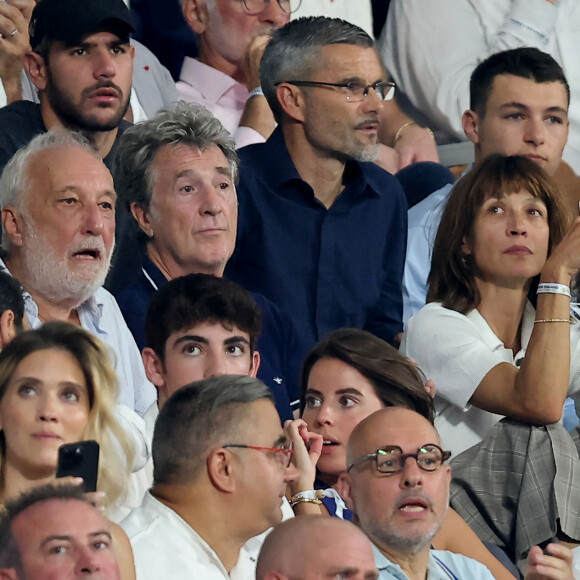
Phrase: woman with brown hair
[346,377]
[495,335]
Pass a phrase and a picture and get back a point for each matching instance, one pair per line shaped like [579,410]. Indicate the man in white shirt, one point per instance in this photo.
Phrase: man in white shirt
[221,465]
[431,48]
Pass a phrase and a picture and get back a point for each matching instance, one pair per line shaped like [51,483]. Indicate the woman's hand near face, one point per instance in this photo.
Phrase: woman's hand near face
[307,447]
[564,262]
[541,384]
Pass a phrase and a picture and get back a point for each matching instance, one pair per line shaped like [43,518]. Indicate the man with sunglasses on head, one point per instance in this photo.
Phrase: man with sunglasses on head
[221,465]
[232,35]
[397,483]
[322,229]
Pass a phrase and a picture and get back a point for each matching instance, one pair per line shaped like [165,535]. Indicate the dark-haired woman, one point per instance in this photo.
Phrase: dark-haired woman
[347,376]
[496,335]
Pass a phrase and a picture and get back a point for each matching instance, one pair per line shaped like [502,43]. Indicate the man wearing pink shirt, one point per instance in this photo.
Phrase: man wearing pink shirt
[232,37]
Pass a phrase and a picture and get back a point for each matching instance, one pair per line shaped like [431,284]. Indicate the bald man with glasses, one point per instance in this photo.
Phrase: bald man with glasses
[397,484]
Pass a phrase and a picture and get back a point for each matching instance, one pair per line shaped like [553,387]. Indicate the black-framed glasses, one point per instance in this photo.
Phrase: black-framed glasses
[355,91]
[391,459]
[257,6]
[283,455]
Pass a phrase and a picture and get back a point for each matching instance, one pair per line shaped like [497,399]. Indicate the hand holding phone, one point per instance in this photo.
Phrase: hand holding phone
[80,459]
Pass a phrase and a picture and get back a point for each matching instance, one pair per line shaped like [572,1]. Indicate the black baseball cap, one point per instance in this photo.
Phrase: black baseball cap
[71,20]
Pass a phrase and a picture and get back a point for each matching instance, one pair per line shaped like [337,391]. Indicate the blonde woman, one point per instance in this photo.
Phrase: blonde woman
[57,386]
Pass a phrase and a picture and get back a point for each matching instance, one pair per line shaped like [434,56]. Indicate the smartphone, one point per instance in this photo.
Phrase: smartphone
[79,459]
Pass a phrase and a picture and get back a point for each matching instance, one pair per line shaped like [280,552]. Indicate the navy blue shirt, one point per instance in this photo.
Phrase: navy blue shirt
[327,268]
[278,345]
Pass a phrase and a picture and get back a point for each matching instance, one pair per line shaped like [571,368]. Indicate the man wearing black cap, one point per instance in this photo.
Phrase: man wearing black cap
[81,63]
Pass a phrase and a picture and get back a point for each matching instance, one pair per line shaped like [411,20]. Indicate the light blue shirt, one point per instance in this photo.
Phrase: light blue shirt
[443,565]
[100,315]
[423,223]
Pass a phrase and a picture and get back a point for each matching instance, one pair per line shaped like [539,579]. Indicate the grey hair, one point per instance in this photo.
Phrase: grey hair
[293,51]
[15,179]
[187,124]
[198,417]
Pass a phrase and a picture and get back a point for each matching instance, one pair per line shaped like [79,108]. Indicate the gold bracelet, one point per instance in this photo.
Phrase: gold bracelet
[399,133]
[304,500]
[552,320]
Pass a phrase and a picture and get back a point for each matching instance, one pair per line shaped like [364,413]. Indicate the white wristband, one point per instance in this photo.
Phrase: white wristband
[552,288]
[257,92]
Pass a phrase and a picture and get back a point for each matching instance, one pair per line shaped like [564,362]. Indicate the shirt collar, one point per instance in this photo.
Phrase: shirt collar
[281,172]
[491,338]
[153,273]
[215,83]
[92,306]
[384,564]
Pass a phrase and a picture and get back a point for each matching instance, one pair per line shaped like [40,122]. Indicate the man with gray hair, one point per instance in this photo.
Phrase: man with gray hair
[161,166]
[322,229]
[58,216]
[221,465]
[176,174]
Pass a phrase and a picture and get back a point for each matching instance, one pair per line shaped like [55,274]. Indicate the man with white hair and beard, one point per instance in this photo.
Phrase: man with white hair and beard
[58,216]
[397,483]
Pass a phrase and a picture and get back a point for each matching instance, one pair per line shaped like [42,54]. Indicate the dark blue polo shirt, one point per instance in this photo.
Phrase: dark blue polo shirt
[278,345]
[327,268]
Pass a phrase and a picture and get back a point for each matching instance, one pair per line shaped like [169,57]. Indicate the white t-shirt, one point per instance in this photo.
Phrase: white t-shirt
[457,351]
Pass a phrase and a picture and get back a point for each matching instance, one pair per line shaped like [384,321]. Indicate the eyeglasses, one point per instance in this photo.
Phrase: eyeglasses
[283,455]
[257,6]
[355,91]
[391,459]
